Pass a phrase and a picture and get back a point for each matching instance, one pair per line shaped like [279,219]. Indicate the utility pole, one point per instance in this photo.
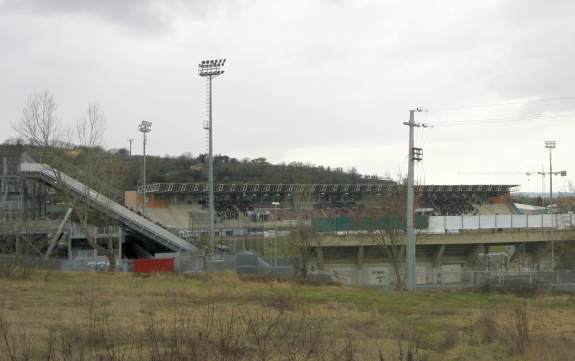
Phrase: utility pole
[144,127]
[275,204]
[550,144]
[415,154]
[542,182]
[210,69]
[130,140]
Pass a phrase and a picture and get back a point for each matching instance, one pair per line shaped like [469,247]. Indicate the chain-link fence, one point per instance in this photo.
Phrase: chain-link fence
[99,264]
[240,262]
[384,278]
[285,267]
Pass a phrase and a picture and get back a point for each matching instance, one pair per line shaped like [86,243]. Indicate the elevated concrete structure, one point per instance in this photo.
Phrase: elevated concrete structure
[134,223]
[463,238]
[360,258]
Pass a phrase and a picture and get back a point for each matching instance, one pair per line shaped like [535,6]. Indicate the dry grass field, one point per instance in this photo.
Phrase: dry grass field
[97,316]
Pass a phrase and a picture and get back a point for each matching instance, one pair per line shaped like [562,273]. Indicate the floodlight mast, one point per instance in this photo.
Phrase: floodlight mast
[144,127]
[210,69]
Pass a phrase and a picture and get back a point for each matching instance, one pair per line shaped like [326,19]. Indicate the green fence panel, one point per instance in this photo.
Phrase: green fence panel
[361,224]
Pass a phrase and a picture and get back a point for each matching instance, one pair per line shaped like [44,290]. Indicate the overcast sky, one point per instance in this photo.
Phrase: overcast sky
[326,82]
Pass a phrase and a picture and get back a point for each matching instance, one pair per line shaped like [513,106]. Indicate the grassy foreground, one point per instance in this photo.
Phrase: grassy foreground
[96,316]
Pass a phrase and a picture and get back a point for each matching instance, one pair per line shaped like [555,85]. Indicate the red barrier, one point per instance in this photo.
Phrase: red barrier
[153,265]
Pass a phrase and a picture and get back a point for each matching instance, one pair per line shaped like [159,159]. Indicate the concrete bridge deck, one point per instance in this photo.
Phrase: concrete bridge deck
[509,236]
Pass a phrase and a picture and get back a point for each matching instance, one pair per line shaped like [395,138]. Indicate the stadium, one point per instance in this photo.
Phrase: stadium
[356,231]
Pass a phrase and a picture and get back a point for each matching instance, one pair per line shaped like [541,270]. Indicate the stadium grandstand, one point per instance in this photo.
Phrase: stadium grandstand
[247,208]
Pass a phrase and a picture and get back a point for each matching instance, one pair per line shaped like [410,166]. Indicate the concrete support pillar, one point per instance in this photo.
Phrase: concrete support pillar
[474,253]
[320,258]
[542,251]
[438,255]
[120,243]
[360,256]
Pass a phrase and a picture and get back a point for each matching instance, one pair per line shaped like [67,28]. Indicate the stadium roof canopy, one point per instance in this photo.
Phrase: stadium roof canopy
[319,188]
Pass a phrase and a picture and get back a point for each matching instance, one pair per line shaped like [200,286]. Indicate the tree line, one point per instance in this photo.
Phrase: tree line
[40,128]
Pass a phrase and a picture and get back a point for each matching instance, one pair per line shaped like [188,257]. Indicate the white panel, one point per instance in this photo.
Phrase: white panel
[535,220]
[519,221]
[503,220]
[487,221]
[453,223]
[436,224]
[548,220]
[470,222]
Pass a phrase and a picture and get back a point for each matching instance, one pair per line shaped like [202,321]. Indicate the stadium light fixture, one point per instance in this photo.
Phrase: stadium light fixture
[211,68]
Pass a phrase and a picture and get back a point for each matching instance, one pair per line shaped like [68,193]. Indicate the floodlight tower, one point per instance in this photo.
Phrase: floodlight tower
[144,127]
[550,144]
[210,69]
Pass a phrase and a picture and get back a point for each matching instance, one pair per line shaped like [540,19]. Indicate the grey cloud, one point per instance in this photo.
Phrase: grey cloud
[309,83]
[143,15]
[131,13]
[321,53]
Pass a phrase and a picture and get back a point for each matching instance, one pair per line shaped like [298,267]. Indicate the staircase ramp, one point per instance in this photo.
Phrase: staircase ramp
[101,203]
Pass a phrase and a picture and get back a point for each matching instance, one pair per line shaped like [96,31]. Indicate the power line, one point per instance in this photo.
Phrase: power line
[498,120]
[501,104]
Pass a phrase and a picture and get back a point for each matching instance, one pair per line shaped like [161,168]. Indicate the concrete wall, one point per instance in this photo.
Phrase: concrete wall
[383,274]
[134,200]
[99,264]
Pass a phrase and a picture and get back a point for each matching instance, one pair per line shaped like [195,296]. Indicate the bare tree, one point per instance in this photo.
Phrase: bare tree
[303,236]
[566,201]
[386,226]
[39,124]
[204,245]
[90,127]
[89,131]
[40,127]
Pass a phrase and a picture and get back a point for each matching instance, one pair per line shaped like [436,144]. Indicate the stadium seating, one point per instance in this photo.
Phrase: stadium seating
[456,203]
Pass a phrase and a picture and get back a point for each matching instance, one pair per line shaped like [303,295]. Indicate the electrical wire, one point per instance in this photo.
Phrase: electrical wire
[497,120]
[501,104]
